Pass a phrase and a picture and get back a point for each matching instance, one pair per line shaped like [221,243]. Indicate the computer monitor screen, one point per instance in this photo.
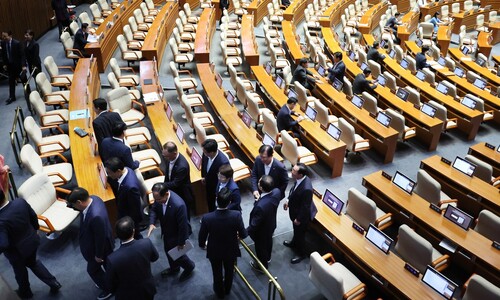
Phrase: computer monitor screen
[230,98]
[480,61]
[470,103]
[384,119]
[459,72]
[479,83]
[278,81]
[196,158]
[169,112]
[311,113]
[392,53]
[498,149]
[334,131]
[442,88]
[268,140]
[439,282]
[420,42]
[403,182]
[343,46]
[458,216]
[379,239]
[464,166]
[337,84]
[321,70]
[404,64]
[352,55]
[218,78]
[402,94]
[363,66]
[420,75]
[465,50]
[382,44]
[333,202]
[356,100]
[292,94]
[247,119]
[381,80]
[441,61]
[428,110]
[269,68]
[179,132]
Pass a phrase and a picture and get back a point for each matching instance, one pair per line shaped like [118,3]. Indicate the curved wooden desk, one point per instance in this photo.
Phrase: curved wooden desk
[371,19]
[248,41]
[495,32]
[444,37]
[467,62]
[331,16]
[204,34]
[258,8]
[468,20]
[433,7]
[410,24]
[484,43]
[487,155]
[295,11]
[291,44]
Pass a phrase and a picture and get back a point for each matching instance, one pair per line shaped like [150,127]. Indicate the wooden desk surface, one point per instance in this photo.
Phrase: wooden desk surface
[469,64]
[433,7]
[248,41]
[418,210]
[495,4]
[483,43]
[258,8]
[469,21]
[104,50]
[472,193]
[162,27]
[204,34]
[495,32]
[316,138]
[396,280]
[295,11]
[331,16]
[403,5]
[410,23]
[487,155]
[444,37]
[245,137]
[289,30]
[371,19]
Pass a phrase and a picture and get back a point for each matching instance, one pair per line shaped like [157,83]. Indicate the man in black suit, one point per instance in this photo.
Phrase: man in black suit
[374,55]
[170,209]
[61,14]
[104,121]
[13,58]
[96,236]
[81,40]
[116,147]
[129,268]
[211,161]
[225,177]
[223,228]
[177,174]
[19,241]
[224,4]
[303,75]
[421,59]
[127,191]
[284,120]
[301,209]
[338,68]
[361,84]
[32,53]
[263,221]
[265,164]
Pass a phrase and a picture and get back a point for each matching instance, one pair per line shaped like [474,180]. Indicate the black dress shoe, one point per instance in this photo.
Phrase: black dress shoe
[186,274]
[55,287]
[24,294]
[288,244]
[297,259]
[169,272]
[10,101]
[256,267]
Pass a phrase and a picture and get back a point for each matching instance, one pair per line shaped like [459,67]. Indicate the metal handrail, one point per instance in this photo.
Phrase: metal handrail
[15,141]
[13,187]
[273,283]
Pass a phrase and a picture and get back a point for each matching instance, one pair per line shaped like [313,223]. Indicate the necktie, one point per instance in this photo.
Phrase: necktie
[164,207]
[9,56]
[293,188]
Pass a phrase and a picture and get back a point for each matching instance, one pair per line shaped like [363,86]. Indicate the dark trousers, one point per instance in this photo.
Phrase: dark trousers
[13,75]
[62,24]
[96,272]
[211,199]
[264,248]
[20,265]
[299,238]
[184,261]
[223,281]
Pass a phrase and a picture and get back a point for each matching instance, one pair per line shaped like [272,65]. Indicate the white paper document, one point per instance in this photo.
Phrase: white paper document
[151,97]
[175,253]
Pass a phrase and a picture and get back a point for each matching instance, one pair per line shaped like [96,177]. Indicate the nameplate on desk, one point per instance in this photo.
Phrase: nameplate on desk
[358,228]
[448,162]
[496,245]
[412,270]
[148,81]
[490,146]
[78,114]
[386,175]
[435,208]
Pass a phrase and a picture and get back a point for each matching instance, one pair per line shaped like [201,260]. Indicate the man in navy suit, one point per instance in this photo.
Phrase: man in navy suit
[80,40]
[263,221]
[421,59]
[170,209]
[116,147]
[19,241]
[13,58]
[104,121]
[211,161]
[301,210]
[96,236]
[225,177]
[265,164]
[129,268]
[223,228]
[127,191]
[338,68]
[284,120]
[177,176]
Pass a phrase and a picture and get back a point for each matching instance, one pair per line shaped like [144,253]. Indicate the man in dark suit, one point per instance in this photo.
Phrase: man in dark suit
[374,55]
[421,60]
[177,174]
[303,75]
[104,121]
[81,40]
[96,236]
[284,120]
[61,14]
[19,241]
[301,209]
[361,84]
[263,221]
[265,164]
[129,268]
[13,58]
[224,4]
[211,161]
[116,147]
[170,209]
[127,191]
[225,177]
[32,53]
[223,228]
[338,68]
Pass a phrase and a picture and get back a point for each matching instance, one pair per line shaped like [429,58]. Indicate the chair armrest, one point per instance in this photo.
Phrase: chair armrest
[62,76]
[447,201]
[238,73]
[362,141]
[128,68]
[53,114]
[76,51]
[52,126]
[66,67]
[49,227]
[410,129]
[185,72]
[140,105]
[442,259]
[136,134]
[132,78]
[495,180]
[57,95]
[133,52]
[329,258]
[58,175]
[360,287]
[50,154]
[39,146]
[383,218]
[132,95]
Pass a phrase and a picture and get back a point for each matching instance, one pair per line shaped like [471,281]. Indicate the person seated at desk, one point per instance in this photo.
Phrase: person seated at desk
[361,84]
[338,68]
[435,20]
[284,119]
[421,59]
[81,39]
[303,75]
[374,55]
[392,24]
[116,147]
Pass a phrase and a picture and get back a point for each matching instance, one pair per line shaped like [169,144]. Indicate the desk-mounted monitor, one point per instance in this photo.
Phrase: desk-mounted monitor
[392,53]
[420,75]
[441,61]
[464,166]
[381,80]
[179,132]
[352,55]
[292,94]
[169,112]
[402,94]
[384,119]
[404,64]
[363,66]
[458,217]
[279,82]
[465,50]
[334,131]
[481,62]
[230,98]
[321,70]
[268,140]
[403,182]
[311,113]
[269,68]
[498,149]
[218,78]
[337,84]
[429,110]
[479,83]
[382,44]
[379,239]
[103,176]
[333,202]
[419,43]
[247,119]
[196,158]
[459,72]
[343,46]
[357,101]
[442,88]
[470,103]
[439,283]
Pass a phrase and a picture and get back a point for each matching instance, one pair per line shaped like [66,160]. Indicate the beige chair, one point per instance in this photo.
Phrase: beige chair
[230,42]
[362,57]
[303,96]
[59,174]
[483,171]
[354,142]
[180,58]
[185,36]
[492,16]
[56,79]
[96,13]
[147,185]
[481,25]
[113,82]
[120,101]
[106,9]
[333,280]
[241,171]
[129,80]
[390,82]
[364,211]
[187,82]
[53,215]
[192,100]
[151,7]
[487,224]
[398,123]
[201,136]
[270,127]
[69,51]
[74,27]
[254,110]
[191,17]
[232,78]
[231,55]
[277,62]
[370,103]
[232,23]
[442,114]
[414,96]
[183,46]
[347,88]
[488,114]
[204,117]
[47,144]
[430,77]
[188,27]
[375,68]
[479,288]
[149,16]
[136,32]
[149,160]
[324,117]
[418,252]
[84,18]
[430,190]
[294,152]
[399,53]
[127,54]
[412,65]
[452,89]
[48,118]
[132,43]
[142,24]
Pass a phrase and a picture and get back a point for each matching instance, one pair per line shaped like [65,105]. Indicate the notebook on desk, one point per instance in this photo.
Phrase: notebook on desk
[381,80]
[337,84]
[479,83]
[420,75]
[442,88]
[196,158]
[357,101]
[459,72]
[402,94]
[466,101]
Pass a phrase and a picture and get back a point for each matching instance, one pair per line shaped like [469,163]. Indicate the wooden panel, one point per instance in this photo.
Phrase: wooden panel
[295,12]
[19,15]
[248,42]
[258,8]
[206,27]
[370,20]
